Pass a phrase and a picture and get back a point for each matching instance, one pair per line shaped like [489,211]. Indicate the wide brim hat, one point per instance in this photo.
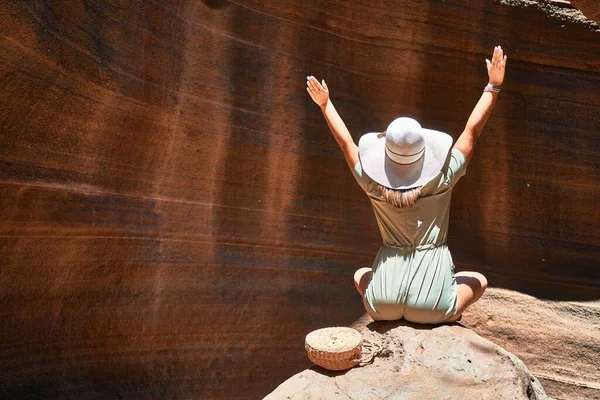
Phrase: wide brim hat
[379,166]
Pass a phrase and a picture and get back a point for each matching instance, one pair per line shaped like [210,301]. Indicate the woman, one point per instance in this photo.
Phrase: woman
[408,173]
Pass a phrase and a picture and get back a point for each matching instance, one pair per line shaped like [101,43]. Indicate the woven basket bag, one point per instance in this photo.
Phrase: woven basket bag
[335,349]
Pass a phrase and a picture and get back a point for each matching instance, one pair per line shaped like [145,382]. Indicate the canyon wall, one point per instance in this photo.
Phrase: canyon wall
[590,8]
[175,215]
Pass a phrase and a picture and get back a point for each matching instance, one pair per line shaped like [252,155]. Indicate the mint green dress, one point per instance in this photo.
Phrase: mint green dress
[413,271]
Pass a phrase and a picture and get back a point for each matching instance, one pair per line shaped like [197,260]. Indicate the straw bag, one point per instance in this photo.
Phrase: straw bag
[335,349]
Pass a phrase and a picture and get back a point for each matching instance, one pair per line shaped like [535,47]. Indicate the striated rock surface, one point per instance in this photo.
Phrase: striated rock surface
[446,362]
[175,216]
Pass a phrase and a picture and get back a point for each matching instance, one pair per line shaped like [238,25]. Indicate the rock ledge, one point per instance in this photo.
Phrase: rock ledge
[416,362]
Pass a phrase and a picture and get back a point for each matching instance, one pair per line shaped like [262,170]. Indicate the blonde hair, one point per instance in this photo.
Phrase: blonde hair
[399,198]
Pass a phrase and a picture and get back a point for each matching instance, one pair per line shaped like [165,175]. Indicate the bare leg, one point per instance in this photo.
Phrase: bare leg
[362,277]
[471,286]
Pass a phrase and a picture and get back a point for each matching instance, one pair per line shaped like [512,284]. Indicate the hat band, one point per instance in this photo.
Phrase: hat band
[401,158]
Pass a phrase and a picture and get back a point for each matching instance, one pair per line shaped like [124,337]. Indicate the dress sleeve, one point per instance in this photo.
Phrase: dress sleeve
[457,167]
[360,176]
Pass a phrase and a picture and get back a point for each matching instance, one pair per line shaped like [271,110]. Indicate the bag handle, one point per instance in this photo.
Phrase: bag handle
[369,352]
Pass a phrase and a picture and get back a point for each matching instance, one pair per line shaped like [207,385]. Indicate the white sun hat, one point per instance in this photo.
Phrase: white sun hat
[406,157]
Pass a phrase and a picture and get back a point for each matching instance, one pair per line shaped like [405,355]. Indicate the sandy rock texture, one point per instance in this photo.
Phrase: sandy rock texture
[446,362]
[175,215]
[582,12]
[558,340]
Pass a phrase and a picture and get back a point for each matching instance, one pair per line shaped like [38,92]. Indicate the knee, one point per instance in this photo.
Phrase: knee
[482,281]
[475,280]
[360,273]
[361,278]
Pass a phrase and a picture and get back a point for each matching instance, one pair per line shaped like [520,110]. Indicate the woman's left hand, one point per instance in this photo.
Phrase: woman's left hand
[318,92]
[496,67]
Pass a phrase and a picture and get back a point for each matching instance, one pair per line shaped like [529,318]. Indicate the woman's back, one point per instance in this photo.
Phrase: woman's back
[426,222]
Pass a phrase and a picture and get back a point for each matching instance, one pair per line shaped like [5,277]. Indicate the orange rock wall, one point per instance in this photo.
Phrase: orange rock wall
[175,215]
[590,8]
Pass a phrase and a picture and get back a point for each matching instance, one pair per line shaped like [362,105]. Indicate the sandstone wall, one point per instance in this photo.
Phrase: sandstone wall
[175,216]
[590,8]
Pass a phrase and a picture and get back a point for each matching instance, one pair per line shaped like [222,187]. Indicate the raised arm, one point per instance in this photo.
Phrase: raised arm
[320,95]
[483,109]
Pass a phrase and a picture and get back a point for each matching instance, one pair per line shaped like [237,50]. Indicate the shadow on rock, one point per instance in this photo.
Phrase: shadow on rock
[382,327]
[214,4]
[326,372]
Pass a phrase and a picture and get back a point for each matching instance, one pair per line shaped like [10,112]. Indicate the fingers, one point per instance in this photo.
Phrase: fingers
[501,58]
[496,56]
[313,93]
[314,83]
[311,89]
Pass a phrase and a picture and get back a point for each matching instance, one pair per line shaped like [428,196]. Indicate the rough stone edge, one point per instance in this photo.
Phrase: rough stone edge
[535,391]
[533,387]
[571,15]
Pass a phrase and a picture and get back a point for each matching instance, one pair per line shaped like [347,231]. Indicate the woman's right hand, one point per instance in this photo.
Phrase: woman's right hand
[318,92]
[496,67]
